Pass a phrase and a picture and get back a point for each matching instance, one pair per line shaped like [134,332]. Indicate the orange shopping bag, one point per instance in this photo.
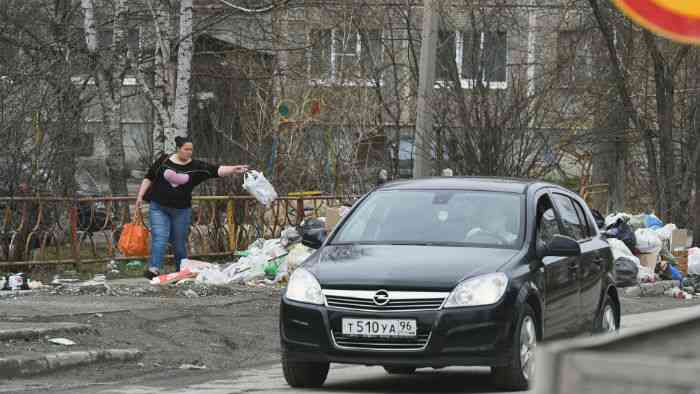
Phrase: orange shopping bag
[135,238]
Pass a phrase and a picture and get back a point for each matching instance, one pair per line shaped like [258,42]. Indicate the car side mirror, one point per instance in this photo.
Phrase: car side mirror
[560,246]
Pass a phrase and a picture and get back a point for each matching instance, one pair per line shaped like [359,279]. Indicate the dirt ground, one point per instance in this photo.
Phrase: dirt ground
[234,331]
[220,332]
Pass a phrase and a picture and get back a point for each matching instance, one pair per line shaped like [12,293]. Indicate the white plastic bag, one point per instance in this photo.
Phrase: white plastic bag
[297,255]
[666,231]
[614,217]
[257,185]
[646,275]
[647,241]
[212,276]
[195,265]
[694,261]
[619,249]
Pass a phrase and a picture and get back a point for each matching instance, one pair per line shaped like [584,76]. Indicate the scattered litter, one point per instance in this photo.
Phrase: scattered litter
[98,315]
[135,265]
[192,366]
[17,281]
[62,341]
[166,279]
[678,294]
[35,284]
[65,278]
[189,293]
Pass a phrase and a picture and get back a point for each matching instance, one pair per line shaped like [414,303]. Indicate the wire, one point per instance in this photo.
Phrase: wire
[251,11]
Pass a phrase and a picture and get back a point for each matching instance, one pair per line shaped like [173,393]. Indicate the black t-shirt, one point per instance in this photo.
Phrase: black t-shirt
[172,183]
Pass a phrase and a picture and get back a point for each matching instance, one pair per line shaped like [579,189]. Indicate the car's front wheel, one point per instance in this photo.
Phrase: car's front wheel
[521,369]
[608,319]
[304,374]
[392,370]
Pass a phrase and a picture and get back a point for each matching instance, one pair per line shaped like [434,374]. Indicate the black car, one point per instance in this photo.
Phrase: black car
[449,271]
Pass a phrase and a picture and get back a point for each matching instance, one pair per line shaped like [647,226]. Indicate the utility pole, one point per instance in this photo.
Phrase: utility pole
[426,75]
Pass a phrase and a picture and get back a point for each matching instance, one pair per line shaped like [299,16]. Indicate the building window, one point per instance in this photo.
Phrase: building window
[347,57]
[574,58]
[473,57]
[86,147]
[105,36]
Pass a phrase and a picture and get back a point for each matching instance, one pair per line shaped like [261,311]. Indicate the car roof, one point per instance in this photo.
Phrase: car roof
[507,185]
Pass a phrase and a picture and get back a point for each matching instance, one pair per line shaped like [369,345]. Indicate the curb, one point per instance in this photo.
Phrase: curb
[13,367]
[27,332]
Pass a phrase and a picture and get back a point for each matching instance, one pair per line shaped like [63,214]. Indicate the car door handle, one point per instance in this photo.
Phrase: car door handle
[573,266]
[598,260]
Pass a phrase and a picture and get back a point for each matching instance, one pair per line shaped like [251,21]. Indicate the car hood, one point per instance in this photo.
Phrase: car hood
[403,267]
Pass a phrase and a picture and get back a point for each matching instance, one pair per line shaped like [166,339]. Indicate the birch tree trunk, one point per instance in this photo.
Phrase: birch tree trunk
[109,84]
[180,114]
[161,14]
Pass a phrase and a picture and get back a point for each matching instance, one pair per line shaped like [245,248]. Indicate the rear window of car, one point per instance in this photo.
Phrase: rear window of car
[436,217]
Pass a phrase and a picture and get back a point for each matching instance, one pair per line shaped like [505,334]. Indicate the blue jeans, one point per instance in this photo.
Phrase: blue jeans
[168,224]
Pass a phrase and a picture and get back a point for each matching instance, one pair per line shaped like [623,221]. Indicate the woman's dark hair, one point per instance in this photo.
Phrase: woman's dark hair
[179,141]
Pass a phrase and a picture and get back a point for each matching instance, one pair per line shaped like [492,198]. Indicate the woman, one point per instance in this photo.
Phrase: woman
[168,189]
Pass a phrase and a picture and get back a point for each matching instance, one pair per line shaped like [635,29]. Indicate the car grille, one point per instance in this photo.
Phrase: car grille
[398,301]
[420,342]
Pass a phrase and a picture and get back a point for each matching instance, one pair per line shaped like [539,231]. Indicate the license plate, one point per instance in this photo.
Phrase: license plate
[379,327]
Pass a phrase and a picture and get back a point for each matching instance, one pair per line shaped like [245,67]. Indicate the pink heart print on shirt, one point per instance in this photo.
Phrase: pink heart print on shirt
[174,178]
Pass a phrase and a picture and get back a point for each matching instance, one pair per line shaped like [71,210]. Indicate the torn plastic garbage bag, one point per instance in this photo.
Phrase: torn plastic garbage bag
[653,222]
[297,255]
[257,185]
[619,249]
[622,231]
[615,218]
[637,221]
[694,261]
[647,241]
[313,232]
[626,272]
[289,236]
[666,231]
[212,277]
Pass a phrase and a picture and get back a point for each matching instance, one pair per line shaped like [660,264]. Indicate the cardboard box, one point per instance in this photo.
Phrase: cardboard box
[649,260]
[679,239]
[332,217]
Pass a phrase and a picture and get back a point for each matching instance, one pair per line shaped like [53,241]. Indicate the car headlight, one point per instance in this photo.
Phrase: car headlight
[303,287]
[481,290]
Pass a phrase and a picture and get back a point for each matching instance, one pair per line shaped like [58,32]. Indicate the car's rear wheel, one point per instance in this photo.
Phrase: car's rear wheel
[392,370]
[608,318]
[521,369]
[304,374]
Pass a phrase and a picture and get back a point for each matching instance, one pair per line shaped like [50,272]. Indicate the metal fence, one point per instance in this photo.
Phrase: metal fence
[59,230]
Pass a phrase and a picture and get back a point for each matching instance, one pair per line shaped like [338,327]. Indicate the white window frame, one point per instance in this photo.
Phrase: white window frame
[333,80]
[469,83]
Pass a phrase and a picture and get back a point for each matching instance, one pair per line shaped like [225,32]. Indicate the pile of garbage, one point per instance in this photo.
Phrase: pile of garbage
[647,251]
[264,263]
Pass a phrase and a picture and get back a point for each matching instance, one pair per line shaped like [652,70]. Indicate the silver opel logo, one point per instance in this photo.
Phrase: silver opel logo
[381,297]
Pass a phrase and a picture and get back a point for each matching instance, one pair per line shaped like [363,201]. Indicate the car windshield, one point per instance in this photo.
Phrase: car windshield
[436,217]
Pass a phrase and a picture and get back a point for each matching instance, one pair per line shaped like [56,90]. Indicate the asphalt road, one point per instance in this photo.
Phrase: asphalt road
[342,379]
